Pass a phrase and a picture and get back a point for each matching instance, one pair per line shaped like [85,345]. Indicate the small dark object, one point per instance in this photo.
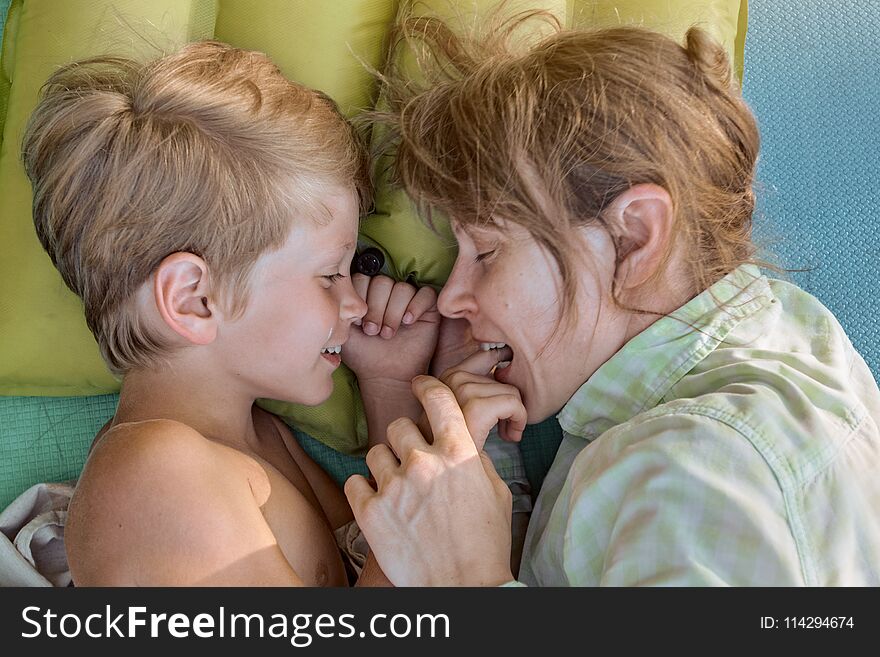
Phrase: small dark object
[368,262]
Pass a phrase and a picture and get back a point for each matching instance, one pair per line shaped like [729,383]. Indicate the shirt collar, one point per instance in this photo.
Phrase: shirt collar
[638,376]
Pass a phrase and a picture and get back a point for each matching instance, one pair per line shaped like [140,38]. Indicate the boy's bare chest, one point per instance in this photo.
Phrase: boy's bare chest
[294,515]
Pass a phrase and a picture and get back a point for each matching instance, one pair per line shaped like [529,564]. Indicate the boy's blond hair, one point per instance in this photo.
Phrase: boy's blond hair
[209,150]
[547,134]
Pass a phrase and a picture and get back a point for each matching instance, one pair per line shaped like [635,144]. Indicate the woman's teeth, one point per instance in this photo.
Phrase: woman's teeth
[489,346]
[486,346]
[332,350]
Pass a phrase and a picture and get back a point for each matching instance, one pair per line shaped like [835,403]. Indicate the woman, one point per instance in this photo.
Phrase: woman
[719,427]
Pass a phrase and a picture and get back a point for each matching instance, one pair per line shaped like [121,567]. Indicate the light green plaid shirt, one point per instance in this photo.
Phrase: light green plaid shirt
[739,446]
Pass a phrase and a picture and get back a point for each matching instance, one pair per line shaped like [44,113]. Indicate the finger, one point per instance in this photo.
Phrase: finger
[482,362]
[382,464]
[424,301]
[467,386]
[483,413]
[443,413]
[401,295]
[405,437]
[358,492]
[377,299]
[512,430]
[361,284]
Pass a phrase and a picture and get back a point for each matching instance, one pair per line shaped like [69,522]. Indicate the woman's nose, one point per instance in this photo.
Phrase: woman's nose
[456,298]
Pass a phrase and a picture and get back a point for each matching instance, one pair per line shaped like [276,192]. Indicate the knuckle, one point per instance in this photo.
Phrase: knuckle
[457,378]
[397,428]
[422,467]
[511,390]
[469,390]
[447,376]
[439,396]
[469,407]
[403,286]
[459,452]
[393,487]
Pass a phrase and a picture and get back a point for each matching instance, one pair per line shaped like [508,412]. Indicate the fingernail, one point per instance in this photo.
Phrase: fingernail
[370,328]
[387,332]
[358,321]
[408,318]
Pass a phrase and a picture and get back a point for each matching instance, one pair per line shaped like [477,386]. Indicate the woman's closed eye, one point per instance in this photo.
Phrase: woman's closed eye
[332,278]
[485,255]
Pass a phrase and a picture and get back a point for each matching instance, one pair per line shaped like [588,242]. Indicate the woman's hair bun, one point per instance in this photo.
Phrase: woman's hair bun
[709,57]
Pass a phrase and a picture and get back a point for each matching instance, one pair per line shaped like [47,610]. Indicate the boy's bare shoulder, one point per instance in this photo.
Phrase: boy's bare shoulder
[124,454]
[165,505]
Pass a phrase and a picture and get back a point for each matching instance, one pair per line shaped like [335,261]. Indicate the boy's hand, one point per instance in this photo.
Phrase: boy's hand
[398,334]
[483,400]
[454,344]
[440,515]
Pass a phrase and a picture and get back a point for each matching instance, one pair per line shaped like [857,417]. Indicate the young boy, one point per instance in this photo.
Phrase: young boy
[206,211]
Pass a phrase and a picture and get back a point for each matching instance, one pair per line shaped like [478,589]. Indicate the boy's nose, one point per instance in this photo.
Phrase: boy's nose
[353,307]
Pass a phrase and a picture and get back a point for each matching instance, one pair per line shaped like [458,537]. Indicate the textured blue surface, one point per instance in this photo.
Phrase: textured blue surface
[4,7]
[812,76]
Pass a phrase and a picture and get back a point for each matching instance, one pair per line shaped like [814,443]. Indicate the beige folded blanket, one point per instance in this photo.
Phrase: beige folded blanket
[32,537]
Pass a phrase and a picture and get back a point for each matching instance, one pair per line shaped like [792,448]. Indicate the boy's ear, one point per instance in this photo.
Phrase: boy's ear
[641,220]
[181,290]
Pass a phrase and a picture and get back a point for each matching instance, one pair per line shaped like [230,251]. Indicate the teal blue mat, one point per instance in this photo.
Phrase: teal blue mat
[46,438]
[4,8]
[812,76]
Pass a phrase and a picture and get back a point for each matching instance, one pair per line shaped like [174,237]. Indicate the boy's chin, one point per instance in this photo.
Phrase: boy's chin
[308,397]
[314,397]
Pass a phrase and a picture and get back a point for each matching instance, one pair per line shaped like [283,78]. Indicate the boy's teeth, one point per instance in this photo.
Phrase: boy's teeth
[502,364]
[486,346]
[331,350]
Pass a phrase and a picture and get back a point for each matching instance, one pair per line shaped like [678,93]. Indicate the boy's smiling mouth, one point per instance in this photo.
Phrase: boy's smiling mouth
[332,354]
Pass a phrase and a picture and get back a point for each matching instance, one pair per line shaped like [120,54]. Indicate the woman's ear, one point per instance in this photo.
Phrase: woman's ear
[182,293]
[641,222]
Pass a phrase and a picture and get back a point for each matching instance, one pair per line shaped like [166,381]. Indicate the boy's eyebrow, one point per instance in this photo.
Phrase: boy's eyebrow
[341,248]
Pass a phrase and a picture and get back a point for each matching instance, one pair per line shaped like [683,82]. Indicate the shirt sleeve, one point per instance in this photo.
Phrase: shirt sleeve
[677,500]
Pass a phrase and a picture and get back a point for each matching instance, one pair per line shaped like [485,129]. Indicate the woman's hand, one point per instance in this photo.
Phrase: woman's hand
[440,515]
[454,344]
[484,401]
